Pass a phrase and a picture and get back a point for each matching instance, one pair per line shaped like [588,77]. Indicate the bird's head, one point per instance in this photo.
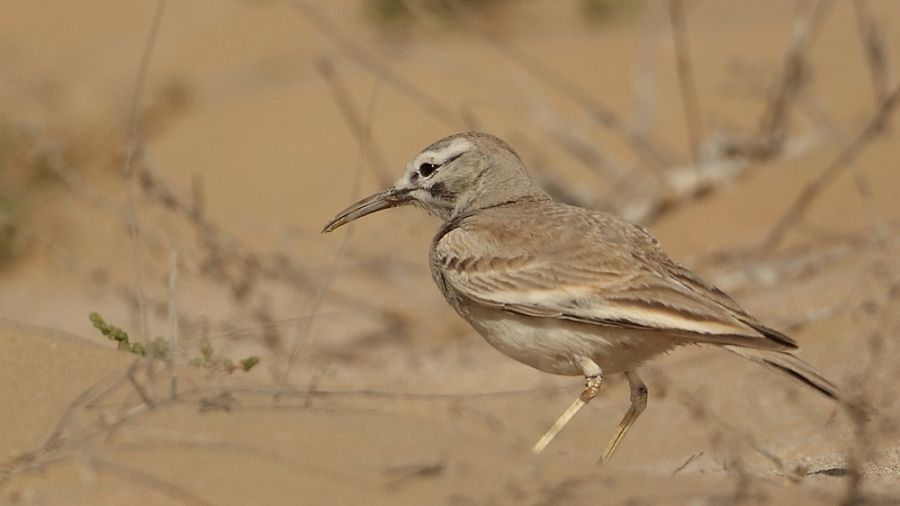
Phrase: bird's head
[459,173]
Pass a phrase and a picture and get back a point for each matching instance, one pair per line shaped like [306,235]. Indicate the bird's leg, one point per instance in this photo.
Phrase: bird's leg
[638,403]
[591,389]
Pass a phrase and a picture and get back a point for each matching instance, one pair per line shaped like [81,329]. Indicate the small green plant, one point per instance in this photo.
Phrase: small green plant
[244,365]
[206,356]
[207,359]
[159,348]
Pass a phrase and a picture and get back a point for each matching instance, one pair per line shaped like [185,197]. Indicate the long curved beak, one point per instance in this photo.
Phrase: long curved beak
[392,197]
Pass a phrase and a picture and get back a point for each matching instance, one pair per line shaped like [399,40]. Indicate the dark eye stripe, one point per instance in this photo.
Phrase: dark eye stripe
[454,158]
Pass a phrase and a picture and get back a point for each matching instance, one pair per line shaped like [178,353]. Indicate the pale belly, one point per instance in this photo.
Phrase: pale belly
[561,347]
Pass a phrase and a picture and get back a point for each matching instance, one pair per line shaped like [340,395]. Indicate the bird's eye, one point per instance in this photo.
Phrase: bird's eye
[427,169]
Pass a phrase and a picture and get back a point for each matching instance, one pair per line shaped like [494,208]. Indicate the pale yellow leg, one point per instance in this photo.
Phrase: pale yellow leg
[591,389]
[638,404]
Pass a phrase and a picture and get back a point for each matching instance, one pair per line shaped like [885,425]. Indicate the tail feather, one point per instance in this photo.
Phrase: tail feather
[799,370]
[792,366]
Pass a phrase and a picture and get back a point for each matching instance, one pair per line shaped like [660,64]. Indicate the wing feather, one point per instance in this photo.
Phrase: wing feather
[586,279]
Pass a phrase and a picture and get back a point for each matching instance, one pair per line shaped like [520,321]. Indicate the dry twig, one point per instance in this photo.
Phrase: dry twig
[649,150]
[372,63]
[132,151]
[774,123]
[357,124]
[795,212]
[811,14]
[302,336]
[873,44]
[686,84]
[173,325]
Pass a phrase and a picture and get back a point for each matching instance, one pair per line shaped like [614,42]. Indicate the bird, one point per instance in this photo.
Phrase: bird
[565,289]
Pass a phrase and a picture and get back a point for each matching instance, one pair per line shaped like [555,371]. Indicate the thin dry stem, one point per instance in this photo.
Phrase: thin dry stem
[646,93]
[649,150]
[808,20]
[873,44]
[801,204]
[684,66]
[228,261]
[372,63]
[687,462]
[302,336]
[354,120]
[574,143]
[134,146]
[173,325]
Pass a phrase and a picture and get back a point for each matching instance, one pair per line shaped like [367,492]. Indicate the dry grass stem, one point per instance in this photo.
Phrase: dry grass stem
[373,63]
[873,45]
[354,120]
[808,20]
[808,194]
[131,153]
[684,66]
[302,336]
[173,324]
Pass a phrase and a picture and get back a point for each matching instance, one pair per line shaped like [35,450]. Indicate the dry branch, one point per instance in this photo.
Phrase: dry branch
[646,93]
[686,84]
[364,135]
[812,189]
[811,14]
[354,120]
[228,261]
[372,63]
[873,44]
[173,325]
[649,150]
[774,124]
[134,145]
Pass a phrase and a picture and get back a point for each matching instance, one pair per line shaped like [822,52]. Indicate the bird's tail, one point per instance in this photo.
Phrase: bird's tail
[792,366]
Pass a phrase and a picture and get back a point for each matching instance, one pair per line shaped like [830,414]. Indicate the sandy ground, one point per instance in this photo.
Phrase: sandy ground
[387,397]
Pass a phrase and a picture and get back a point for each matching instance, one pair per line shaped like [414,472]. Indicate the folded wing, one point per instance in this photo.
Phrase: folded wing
[632,284]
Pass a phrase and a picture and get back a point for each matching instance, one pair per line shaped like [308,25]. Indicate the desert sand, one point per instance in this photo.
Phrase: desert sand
[170,169]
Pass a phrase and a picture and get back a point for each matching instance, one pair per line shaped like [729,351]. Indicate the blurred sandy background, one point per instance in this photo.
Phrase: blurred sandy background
[169,166]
